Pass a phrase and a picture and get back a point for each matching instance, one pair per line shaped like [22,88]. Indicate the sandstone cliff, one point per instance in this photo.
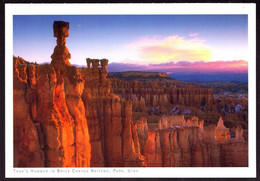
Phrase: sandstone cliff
[67,117]
[152,94]
[190,145]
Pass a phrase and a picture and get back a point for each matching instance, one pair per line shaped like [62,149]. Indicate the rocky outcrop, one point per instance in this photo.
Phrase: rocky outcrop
[213,147]
[73,120]
[112,134]
[159,96]
[27,142]
[153,94]
[234,154]
[189,144]
[222,133]
[66,117]
[61,55]
[176,147]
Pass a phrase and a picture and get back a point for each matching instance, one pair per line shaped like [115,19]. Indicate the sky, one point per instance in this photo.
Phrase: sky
[166,43]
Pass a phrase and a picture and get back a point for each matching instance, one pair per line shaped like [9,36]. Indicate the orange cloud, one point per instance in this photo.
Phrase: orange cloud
[173,48]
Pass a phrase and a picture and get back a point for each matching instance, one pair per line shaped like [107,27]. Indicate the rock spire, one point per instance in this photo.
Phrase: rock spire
[61,55]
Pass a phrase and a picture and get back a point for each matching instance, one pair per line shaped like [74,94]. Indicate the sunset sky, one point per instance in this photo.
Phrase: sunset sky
[203,43]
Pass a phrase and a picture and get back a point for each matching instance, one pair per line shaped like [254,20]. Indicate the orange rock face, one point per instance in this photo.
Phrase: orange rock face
[234,154]
[27,142]
[72,120]
[222,133]
[67,117]
[188,144]
[61,55]
[175,147]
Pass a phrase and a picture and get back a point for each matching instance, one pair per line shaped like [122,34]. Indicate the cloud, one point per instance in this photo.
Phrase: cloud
[172,48]
[194,34]
[183,63]
[235,66]
[122,67]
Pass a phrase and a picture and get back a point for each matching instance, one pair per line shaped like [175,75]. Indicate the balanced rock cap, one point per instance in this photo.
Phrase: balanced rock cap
[61,29]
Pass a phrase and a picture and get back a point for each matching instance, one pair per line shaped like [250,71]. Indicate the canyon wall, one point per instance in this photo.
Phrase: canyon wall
[151,94]
[190,145]
[159,96]
[67,117]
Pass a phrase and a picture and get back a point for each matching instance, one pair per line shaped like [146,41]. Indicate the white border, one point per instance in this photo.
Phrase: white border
[81,9]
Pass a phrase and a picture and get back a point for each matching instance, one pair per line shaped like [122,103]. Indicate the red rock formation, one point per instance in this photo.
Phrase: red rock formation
[212,146]
[239,134]
[175,147]
[27,146]
[189,144]
[74,119]
[113,137]
[78,122]
[234,154]
[61,55]
[155,95]
[169,121]
[152,150]
[171,152]
[222,133]
[142,132]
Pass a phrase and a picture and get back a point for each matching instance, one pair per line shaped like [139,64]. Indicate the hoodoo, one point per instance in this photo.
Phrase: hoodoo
[66,116]
[61,54]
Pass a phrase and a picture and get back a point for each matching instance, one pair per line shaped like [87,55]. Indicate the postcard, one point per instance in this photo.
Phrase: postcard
[130,90]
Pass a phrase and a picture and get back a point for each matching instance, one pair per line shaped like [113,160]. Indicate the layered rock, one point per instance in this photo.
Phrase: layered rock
[66,117]
[112,134]
[213,147]
[175,147]
[189,144]
[142,132]
[61,55]
[76,121]
[27,142]
[234,153]
[222,133]
[153,94]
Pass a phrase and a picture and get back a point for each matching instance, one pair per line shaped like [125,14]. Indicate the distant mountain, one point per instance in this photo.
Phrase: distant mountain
[131,75]
[211,77]
[191,71]
[149,77]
